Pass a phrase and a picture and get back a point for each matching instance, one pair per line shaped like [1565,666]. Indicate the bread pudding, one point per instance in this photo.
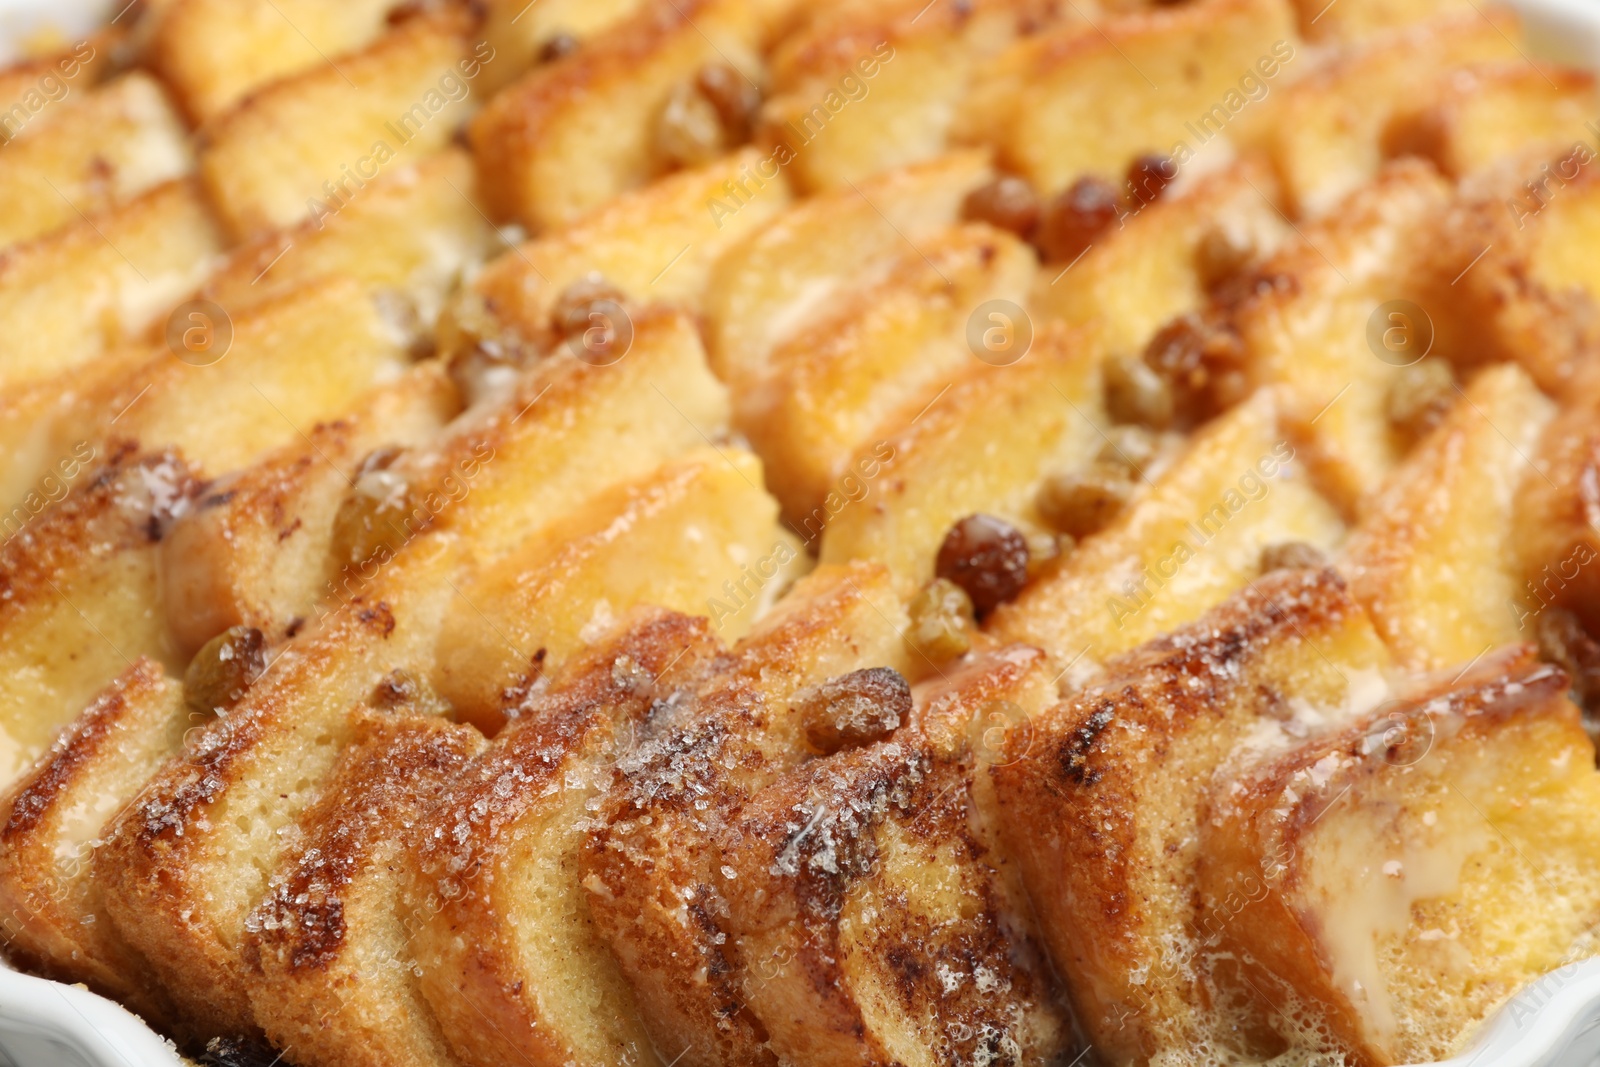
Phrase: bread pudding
[748,533]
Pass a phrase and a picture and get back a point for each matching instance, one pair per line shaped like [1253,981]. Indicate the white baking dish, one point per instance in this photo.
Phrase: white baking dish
[1553,1023]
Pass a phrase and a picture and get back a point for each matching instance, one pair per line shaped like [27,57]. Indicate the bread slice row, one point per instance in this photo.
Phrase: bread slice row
[1255,814]
[779,832]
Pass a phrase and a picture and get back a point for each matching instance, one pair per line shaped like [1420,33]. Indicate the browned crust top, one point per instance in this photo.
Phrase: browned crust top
[393,770]
[1509,685]
[56,771]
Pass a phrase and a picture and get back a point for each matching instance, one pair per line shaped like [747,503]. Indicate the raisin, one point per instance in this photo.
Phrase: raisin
[1086,502]
[1137,394]
[557,46]
[578,303]
[1222,256]
[1074,220]
[1149,175]
[1420,396]
[590,320]
[372,517]
[987,557]
[1046,551]
[853,709]
[1292,555]
[941,616]
[1007,203]
[1249,285]
[689,130]
[735,97]
[1202,360]
[223,669]
[486,368]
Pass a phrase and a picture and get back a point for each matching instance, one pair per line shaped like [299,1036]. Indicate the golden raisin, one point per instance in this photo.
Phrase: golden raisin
[373,516]
[486,367]
[941,619]
[987,557]
[1086,502]
[1007,203]
[1135,393]
[735,97]
[1045,550]
[853,709]
[579,302]
[1075,220]
[557,46]
[1291,555]
[223,669]
[1420,397]
[1222,255]
[591,321]
[1149,175]
[1202,359]
[1133,447]
[689,129]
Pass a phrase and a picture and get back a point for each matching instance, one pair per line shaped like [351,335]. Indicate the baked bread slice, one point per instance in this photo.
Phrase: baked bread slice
[55,917]
[94,151]
[1088,99]
[652,867]
[1186,541]
[543,158]
[1492,112]
[524,36]
[1557,517]
[1309,325]
[866,892]
[69,297]
[866,366]
[1057,337]
[860,89]
[215,54]
[30,86]
[657,244]
[984,445]
[256,547]
[409,238]
[79,580]
[304,147]
[709,529]
[218,816]
[292,362]
[1104,814]
[1326,133]
[1447,511]
[331,949]
[765,288]
[1389,884]
[1192,240]
[184,866]
[512,962]
[1515,247]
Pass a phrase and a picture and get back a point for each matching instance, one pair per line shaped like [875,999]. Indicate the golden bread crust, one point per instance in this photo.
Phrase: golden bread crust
[1102,813]
[508,813]
[758,533]
[56,920]
[330,939]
